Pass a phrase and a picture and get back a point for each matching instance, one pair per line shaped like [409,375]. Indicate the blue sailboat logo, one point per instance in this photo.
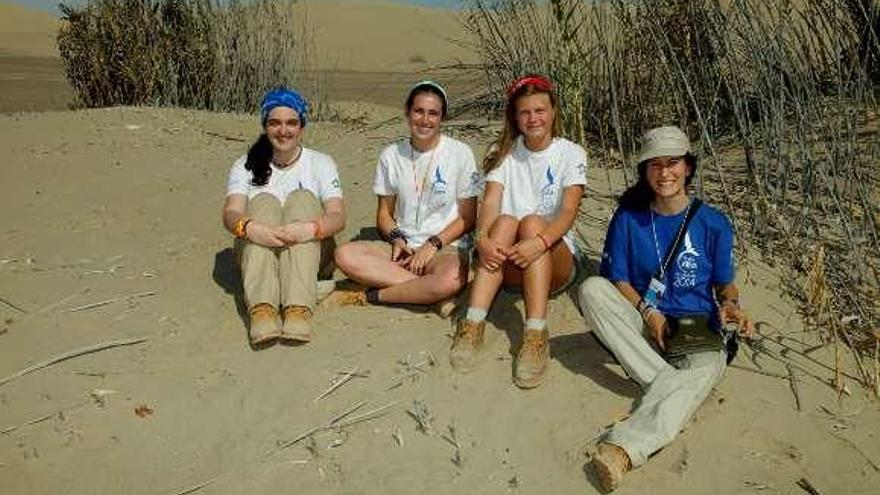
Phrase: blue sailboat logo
[549,194]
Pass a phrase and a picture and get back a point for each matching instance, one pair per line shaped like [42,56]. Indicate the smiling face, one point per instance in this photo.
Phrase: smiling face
[283,128]
[424,117]
[667,176]
[534,119]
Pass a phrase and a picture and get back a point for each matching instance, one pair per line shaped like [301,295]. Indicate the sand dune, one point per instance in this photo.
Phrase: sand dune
[377,36]
[27,32]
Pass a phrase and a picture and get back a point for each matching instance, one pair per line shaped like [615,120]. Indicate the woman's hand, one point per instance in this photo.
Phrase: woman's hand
[658,327]
[400,251]
[419,260]
[525,252]
[298,232]
[728,312]
[492,254]
[265,235]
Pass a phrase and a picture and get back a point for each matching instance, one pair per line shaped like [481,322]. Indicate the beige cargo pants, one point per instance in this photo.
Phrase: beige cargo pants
[284,276]
[672,393]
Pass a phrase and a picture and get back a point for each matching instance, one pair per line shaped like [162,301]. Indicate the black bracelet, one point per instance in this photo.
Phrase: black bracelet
[395,234]
[436,242]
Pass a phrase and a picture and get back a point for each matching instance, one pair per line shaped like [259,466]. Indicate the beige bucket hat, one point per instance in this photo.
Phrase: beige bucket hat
[664,141]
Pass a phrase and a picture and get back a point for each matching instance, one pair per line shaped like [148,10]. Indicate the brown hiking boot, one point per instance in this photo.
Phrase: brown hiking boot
[296,326]
[265,324]
[610,464]
[446,307]
[466,345]
[346,294]
[531,362]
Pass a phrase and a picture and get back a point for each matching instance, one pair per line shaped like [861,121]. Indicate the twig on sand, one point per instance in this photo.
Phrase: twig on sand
[422,416]
[759,372]
[10,429]
[109,301]
[857,449]
[451,436]
[339,382]
[807,486]
[793,382]
[337,422]
[71,354]
[63,300]
[13,306]
[198,487]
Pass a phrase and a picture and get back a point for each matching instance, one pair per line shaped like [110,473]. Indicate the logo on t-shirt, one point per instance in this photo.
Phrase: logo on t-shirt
[439,188]
[686,275]
[549,194]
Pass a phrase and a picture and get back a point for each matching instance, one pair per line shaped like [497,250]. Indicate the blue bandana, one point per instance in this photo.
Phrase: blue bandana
[283,97]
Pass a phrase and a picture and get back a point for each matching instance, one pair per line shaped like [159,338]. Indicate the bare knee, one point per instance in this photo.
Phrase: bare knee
[450,283]
[503,229]
[530,226]
[346,256]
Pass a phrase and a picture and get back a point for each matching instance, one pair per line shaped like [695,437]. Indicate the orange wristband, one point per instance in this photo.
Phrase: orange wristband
[319,234]
[238,230]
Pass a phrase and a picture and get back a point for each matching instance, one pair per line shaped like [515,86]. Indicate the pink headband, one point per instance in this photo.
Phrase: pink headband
[539,82]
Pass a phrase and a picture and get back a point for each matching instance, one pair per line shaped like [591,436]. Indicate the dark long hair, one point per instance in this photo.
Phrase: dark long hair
[638,196]
[258,158]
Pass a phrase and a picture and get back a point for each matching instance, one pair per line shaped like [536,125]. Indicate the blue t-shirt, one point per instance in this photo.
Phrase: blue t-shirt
[704,258]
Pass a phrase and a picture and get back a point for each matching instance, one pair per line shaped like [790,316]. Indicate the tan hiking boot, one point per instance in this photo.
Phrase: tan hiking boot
[296,326]
[446,307]
[610,464]
[466,345]
[265,324]
[531,362]
[346,294]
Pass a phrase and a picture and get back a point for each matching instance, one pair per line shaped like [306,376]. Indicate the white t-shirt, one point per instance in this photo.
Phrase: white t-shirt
[427,185]
[314,171]
[533,180]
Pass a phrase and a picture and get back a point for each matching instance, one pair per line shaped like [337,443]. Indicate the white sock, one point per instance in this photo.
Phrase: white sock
[476,315]
[536,324]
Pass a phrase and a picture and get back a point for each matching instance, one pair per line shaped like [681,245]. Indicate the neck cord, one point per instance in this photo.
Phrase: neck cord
[663,262]
[291,162]
[419,184]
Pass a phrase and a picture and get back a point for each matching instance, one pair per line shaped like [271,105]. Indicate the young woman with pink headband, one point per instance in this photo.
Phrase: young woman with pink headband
[534,184]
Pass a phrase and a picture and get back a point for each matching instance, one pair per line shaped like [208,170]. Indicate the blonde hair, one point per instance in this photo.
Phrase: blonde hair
[504,144]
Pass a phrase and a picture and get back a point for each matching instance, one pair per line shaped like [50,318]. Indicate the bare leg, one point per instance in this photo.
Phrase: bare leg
[550,270]
[445,276]
[486,283]
[369,263]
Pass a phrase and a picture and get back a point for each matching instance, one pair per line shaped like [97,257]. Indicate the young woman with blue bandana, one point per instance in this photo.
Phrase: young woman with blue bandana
[283,204]
[648,290]
[427,187]
[534,184]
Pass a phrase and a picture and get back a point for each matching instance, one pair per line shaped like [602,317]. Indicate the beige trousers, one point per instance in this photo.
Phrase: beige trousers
[672,392]
[284,276]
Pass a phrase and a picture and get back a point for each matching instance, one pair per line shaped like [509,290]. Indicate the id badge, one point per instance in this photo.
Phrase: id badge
[655,292]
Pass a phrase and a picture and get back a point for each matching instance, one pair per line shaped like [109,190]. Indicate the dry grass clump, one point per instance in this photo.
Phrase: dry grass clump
[188,53]
[787,89]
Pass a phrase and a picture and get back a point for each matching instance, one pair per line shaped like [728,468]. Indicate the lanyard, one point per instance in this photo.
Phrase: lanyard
[419,184]
[681,227]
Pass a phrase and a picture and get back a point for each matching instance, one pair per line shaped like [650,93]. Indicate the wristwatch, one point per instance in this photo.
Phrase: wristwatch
[395,234]
[436,242]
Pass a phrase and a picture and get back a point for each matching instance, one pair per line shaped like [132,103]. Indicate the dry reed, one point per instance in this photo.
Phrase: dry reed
[781,98]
